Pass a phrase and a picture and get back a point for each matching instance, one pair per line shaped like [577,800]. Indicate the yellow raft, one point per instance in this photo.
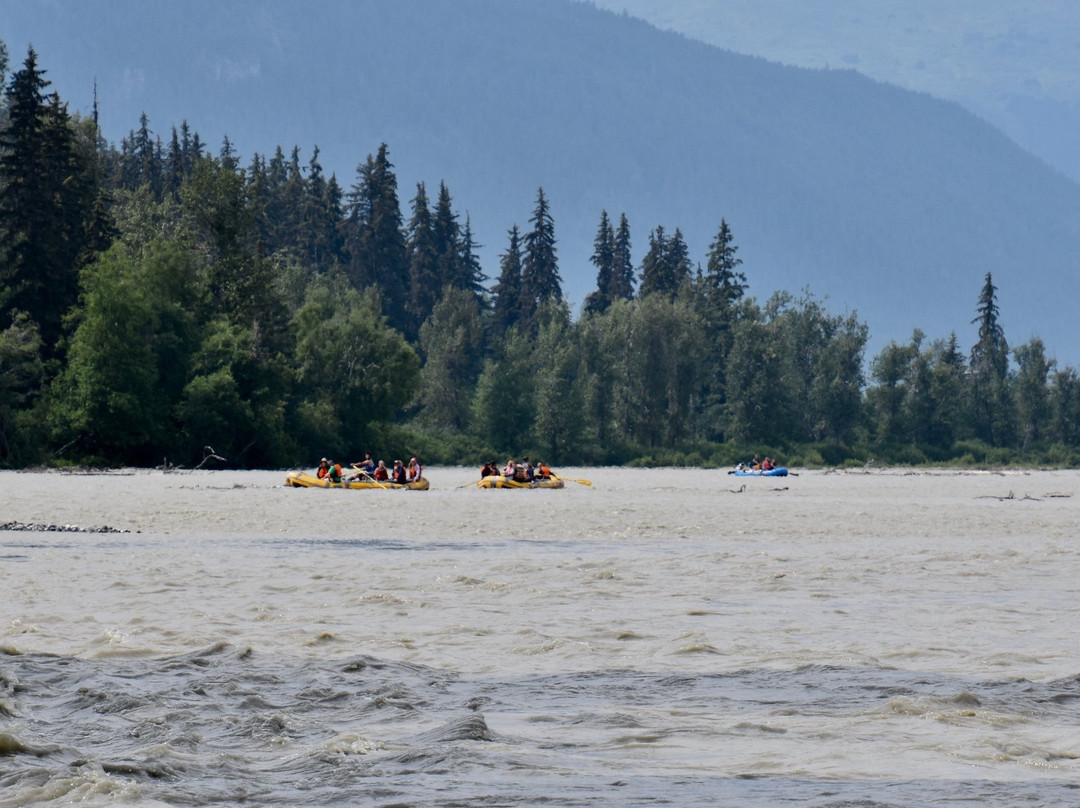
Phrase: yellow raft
[300,479]
[498,481]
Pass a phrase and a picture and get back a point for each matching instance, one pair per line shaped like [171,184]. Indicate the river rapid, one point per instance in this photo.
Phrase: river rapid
[660,637]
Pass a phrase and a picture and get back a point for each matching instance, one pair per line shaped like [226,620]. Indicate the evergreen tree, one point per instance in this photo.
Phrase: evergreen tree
[47,191]
[507,292]
[291,206]
[142,162]
[424,280]
[540,280]
[719,293]
[473,276]
[654,275]
[724,284]
[603,258]
[666,265]
[990,355]
[622,272]
[174,166]
[991,403]
[446,234]
[321,219]
[375,242]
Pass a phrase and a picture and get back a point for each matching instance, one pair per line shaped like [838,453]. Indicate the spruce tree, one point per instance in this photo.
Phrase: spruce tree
[142,162]
[991,402]
[721,287]
[656,275]
[540,279]
[446,234]
[603,258]
[47,191]
[472,277]
[174,166]
[622,275]
[318,238]
[990,355]
[507,292]
[724,284]
[424,280]
[666,264]
[375,241]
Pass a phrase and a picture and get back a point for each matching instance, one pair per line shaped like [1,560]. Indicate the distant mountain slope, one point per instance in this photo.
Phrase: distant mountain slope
[1014,64]
[889,202]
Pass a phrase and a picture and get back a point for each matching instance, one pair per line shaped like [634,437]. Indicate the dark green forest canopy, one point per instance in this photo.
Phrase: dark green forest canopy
[165,304]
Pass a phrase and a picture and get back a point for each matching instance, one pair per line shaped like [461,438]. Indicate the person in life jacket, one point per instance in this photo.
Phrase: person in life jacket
[323,470]
[416,471]
[399,473]
[382,474]
[334,472]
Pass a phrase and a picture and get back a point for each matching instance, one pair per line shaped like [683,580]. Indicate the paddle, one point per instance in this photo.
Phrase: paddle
[571,479]
[369,477]
[471,482]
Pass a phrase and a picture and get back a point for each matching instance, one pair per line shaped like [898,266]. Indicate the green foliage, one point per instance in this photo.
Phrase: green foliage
[128,356]
[504,407]
[22,374]
[47,193]
[451,341]
[213,412]
[249,313]
[348,356]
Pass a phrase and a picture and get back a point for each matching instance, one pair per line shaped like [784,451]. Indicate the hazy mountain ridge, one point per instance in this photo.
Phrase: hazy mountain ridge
[890,202]
[1013,64]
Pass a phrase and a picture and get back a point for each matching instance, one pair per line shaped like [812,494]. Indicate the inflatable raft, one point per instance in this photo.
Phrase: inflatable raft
[497,481]
[300,479]
[777,472]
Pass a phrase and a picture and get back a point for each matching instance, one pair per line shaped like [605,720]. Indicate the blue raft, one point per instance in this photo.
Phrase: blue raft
[780,471]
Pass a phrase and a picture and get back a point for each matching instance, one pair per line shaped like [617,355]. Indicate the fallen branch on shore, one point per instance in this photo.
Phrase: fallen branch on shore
[1009,496]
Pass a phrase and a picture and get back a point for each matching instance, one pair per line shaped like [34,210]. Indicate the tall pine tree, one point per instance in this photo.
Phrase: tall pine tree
[622,275]
[374,241]
[991,402]
[603,258]
[47,193]
[540,281]
[507,292]
[472,274]
[423,257]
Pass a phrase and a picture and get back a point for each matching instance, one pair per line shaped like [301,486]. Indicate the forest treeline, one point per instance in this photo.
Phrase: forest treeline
[161,303]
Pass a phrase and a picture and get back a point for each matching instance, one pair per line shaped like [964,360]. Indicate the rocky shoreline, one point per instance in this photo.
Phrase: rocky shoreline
[38,527]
